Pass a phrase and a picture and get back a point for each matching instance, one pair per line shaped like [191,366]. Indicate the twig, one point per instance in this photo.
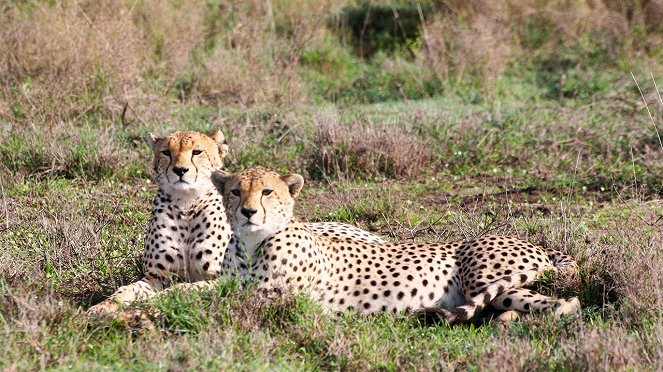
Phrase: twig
[363,30]
[658,92]
[644,100]
[135,113]
[124,112]
[568,197]
[103,36]
[4,202]
[635,177]
[83,113]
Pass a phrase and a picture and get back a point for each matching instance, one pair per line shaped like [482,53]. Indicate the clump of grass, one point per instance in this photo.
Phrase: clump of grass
[60,61]
[174,32]
[379,25]
[584,348]
[475,43]
[257,55]
[68,152]
[625,267]
[349,150]
[481,40]
[244,75]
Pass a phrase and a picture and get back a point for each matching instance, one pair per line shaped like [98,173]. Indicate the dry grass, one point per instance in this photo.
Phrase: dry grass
[60,61]
[65,60]
[477,44]
[64,150]
[627,260]
[82,82]
[257,56]
[614,348]
[174,30]
[254,67]
[349,150]
[482,38]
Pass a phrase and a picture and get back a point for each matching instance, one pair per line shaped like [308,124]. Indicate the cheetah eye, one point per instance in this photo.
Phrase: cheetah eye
[266,192]
[235,192]
[166,152]
[197,152]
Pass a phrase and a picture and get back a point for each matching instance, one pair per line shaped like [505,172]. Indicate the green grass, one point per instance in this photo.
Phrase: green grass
[558,176]
[74,239]
[553,146]
[230,328]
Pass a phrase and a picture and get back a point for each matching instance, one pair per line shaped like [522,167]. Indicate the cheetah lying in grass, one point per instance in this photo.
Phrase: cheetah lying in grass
[189,234]
[451,280]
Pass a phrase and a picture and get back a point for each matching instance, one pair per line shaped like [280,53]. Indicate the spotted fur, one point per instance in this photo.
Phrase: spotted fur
[453,280]
[189,234]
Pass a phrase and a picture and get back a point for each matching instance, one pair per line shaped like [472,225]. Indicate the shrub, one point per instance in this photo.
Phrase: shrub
[60,60]
[356,149]
[379,26]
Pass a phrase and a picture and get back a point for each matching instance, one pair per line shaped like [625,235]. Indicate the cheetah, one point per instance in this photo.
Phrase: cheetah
[188,234]
[451,280]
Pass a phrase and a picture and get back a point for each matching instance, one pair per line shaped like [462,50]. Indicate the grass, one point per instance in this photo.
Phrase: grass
[73,236]
[514,118]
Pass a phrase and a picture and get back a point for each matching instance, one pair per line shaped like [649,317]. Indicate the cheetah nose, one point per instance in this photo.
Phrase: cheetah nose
[248,212]
[180,171]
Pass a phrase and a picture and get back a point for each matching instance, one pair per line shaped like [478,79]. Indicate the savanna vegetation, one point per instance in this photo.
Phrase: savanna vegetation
[417,120]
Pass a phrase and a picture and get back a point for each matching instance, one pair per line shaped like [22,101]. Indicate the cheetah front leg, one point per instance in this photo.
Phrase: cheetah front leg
[199,285]
[143,289]
[269,291]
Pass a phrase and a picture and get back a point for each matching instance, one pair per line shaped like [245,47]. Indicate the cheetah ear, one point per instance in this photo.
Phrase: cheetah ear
[219,179]
[220,140]
[152,140]
[295,183]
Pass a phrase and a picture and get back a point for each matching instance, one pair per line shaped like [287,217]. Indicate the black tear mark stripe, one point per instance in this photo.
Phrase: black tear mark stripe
[194,165]
[264,211]
[239,204]
[170,162]
[209,160]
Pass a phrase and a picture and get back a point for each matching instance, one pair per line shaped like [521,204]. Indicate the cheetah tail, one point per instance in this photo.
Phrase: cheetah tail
[565,264]
[477,302]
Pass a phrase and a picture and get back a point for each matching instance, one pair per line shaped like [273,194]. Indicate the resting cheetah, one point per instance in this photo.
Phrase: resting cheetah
[188,234]
[454,280]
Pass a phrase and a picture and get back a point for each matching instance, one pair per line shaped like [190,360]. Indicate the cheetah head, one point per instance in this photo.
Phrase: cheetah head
[259,202]
[184,161]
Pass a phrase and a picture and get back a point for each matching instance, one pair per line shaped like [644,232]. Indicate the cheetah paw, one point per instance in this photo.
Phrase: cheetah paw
[569,306]
[103,308]
[451,316]
[139,319]
[505,318]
